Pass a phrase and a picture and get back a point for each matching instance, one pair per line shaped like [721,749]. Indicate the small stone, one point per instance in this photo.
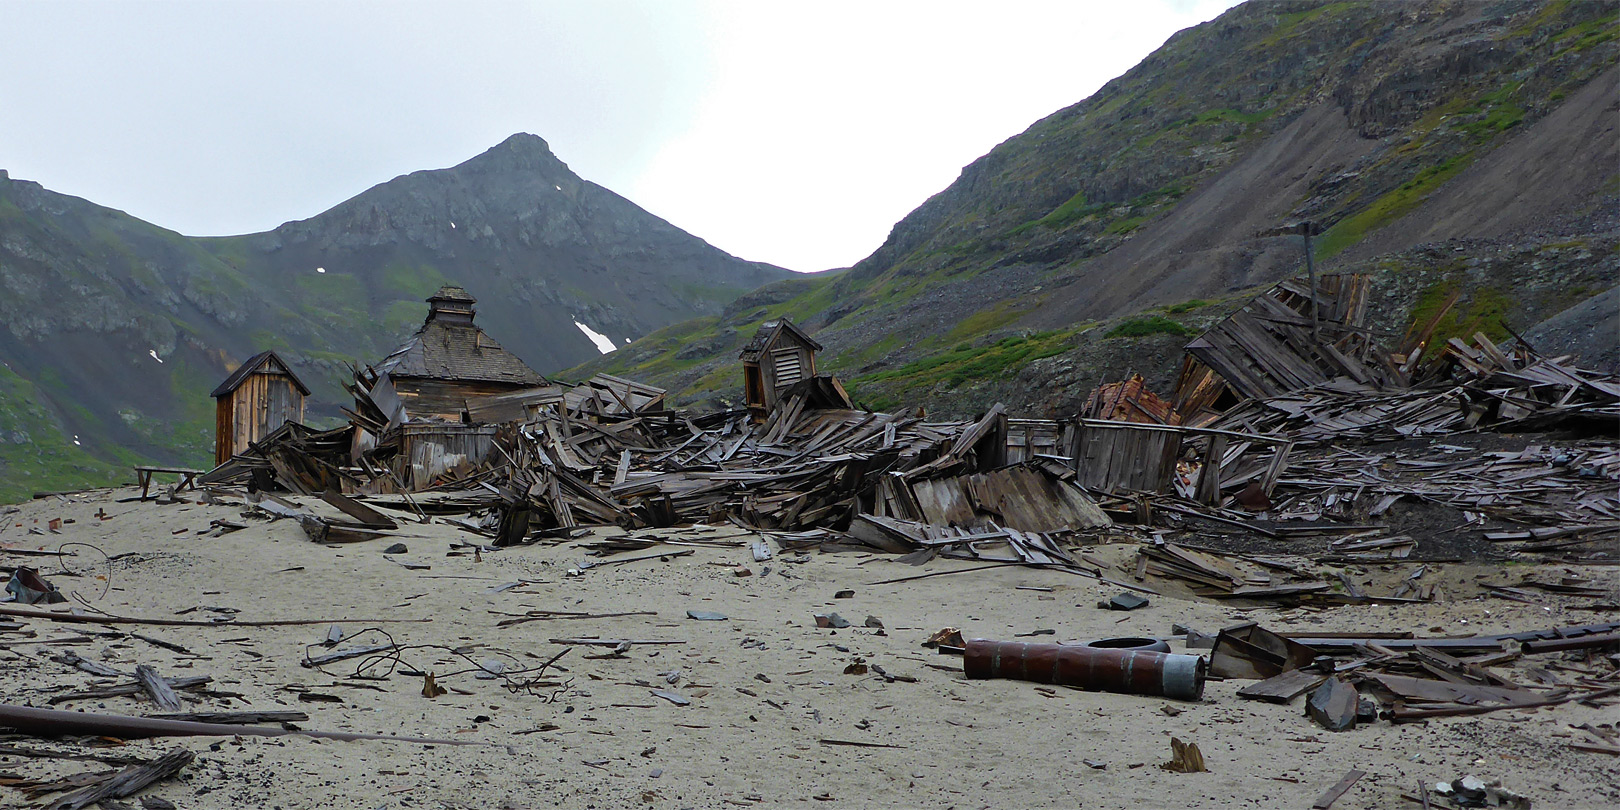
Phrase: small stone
[1127,601]
[1096,763]
[873,621]
[1366,710]
[831,620]
[844,594]
[397,548]
[741,571]
[705,616]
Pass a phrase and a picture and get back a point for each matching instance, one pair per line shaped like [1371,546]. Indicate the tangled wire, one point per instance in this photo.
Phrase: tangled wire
[61,560]
[384,663]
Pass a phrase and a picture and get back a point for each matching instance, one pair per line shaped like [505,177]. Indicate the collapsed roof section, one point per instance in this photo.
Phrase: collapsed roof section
[1286,339]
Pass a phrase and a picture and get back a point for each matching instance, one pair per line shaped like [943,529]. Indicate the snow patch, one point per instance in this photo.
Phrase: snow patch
[604,344]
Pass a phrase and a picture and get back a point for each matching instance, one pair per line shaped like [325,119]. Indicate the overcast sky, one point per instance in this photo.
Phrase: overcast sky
[793,133]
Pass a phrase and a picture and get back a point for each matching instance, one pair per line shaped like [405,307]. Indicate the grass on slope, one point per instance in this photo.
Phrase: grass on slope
[1388,208]
[964,362]
[35,455]
[1148,325]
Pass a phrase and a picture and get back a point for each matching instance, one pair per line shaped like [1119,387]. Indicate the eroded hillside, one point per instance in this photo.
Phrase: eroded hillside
[1106,233]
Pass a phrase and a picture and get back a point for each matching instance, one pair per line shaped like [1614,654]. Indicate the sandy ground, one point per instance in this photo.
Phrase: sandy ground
[766,686]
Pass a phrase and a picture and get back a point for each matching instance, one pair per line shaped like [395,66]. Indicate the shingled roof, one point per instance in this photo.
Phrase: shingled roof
[252,364]
[450,347]
[768,331]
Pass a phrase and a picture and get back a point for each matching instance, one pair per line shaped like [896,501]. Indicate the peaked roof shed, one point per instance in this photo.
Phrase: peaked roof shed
[258,397]
[780,355]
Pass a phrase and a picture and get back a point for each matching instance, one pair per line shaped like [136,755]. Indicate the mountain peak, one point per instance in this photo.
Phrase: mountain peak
[524,142]
[520,151]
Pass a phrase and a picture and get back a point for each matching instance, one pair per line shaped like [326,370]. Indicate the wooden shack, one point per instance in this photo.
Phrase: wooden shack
[780,355]
[258,397]
[450,362]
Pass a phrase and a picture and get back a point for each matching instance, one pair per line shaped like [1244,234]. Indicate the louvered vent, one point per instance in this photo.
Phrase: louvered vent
[789,370]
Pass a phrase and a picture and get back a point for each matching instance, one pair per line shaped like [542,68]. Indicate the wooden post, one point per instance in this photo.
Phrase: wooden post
[1208,489]
[1305,229]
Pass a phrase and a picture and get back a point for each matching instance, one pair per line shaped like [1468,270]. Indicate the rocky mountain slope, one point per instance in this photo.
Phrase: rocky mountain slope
[116,329]
[1102,236]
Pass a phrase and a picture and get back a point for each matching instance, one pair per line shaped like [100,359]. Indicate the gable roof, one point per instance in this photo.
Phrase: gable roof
[253,364]
[450,351]
[767,335]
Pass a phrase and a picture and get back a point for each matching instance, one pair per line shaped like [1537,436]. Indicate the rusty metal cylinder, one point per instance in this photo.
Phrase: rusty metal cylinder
[1091,668]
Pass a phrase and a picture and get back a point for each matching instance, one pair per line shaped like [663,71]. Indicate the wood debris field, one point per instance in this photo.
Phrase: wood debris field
[1395,585]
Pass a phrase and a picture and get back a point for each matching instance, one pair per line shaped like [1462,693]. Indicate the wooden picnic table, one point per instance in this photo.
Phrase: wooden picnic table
[188,477]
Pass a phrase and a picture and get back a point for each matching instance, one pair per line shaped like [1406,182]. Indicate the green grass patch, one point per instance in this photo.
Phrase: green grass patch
[985,320]
[1147,325]
[1483,310]
[1588,34]
[1290,24]
[966,362]
[857,358]
[1125,225]
[35,454]
[1186,306]
[412,281]
[1388,208]
[1072,210]
[401,318]
[727,377]
[1228,115]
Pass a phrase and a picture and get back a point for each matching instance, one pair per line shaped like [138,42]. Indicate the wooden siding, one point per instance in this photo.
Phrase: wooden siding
[785,365]
[445,398]
[429,450]
[1028,438]
[263,402]
[1123,457]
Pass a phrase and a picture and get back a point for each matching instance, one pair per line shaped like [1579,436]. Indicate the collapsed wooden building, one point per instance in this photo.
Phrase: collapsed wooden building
[528,456]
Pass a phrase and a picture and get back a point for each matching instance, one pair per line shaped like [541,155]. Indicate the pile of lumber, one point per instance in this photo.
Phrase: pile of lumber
[1487,387]
[1414,679]
[799,469]
[1520,389]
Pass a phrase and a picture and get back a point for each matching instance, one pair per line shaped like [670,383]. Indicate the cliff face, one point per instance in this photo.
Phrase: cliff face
[114,329]
[1392,125]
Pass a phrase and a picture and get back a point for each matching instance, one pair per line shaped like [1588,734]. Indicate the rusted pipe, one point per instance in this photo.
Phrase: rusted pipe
[1091,668]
